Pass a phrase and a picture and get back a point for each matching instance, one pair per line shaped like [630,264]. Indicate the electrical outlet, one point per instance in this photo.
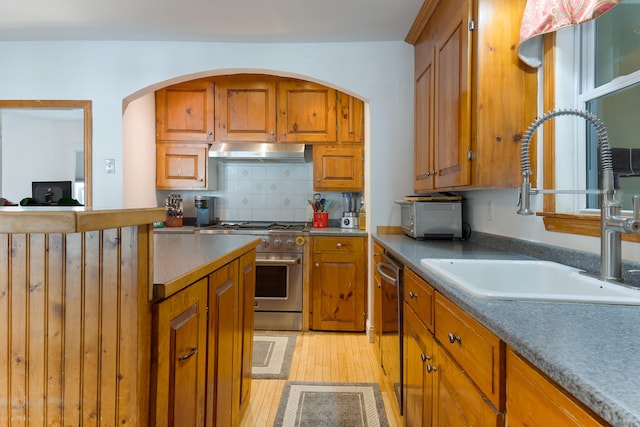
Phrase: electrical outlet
[490,211]
[110,165]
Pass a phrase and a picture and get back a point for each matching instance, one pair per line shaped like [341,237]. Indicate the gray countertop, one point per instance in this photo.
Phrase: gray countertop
[591,350]
[181,259]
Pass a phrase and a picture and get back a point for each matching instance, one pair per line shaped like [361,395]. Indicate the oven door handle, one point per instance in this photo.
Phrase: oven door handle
[277,261]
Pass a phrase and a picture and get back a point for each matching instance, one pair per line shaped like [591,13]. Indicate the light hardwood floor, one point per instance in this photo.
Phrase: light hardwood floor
[321,357]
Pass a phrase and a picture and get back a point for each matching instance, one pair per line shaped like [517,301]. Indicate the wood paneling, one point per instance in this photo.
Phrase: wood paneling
[69,344]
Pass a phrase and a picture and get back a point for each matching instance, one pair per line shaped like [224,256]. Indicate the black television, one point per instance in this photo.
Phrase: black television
[50,192]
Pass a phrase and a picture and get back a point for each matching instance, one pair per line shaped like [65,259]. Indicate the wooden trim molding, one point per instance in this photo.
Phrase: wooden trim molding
[421,20]
[549,130]
[582,224]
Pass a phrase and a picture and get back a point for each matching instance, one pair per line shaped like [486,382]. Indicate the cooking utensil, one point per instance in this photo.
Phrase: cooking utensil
[316,198]
[328,206]
[313,205]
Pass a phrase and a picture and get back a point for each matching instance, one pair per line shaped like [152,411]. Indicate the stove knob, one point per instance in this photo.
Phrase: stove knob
[277,243]
[265,242]
[290,243]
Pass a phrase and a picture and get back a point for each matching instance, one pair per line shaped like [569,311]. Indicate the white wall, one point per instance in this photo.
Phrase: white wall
[108,73]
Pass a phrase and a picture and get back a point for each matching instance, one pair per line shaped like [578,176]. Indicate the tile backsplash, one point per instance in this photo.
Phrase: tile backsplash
[251,191]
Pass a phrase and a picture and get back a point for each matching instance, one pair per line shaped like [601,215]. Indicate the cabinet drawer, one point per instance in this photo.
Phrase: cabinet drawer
[339,244]
[419,296]
[479,352]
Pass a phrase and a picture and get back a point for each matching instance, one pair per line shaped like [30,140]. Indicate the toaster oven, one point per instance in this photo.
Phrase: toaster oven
[431,220]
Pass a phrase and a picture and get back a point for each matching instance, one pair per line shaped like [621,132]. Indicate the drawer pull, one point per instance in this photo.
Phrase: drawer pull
[431,368]
[188,355]
[413,294]
[453,338]
[338,245]
[424,357]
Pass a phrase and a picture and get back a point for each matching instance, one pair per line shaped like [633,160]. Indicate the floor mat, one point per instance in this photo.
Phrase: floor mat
[331,405]
[272,355]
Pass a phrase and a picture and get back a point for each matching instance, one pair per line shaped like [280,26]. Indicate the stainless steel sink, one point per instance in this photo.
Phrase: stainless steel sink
[528,280]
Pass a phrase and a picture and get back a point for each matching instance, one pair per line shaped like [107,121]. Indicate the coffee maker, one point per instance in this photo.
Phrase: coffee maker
[350,210]
[205,210]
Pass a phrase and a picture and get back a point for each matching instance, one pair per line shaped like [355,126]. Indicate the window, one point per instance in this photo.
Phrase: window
[609,87]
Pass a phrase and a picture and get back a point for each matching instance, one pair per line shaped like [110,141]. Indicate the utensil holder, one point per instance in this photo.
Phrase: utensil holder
[320,219]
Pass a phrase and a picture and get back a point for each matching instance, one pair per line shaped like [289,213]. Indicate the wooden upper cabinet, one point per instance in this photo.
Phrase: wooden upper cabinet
[185,112]
[350,119]
[181,166]
[338,168]
[474,98]
[246,108]
[452,96]
[306,112]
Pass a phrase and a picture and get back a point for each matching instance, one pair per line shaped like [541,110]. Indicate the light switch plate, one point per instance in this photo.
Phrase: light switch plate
[110,165]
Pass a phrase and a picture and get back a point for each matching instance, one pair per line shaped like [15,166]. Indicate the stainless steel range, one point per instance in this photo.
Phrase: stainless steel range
[279,270]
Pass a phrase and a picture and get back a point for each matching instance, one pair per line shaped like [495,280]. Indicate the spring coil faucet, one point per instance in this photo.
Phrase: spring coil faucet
[611,223]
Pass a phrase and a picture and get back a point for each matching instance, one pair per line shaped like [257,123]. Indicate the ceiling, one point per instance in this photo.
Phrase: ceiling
[250,21]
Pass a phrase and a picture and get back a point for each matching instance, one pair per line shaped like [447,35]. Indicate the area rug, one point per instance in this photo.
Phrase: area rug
[331,405]
[272,355]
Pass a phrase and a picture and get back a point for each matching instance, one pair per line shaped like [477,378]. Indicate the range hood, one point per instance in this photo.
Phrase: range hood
[260,152]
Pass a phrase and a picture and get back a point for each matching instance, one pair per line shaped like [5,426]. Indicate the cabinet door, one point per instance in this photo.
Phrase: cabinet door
[223,331]
[533,400]
[179,359]
[452,107]
[424,171]
[185,112]
[350,119]
[338,283]
[247,290]
[306,112]
[418,380]
[338,168]
[458,401]
[246,109]
[181,166]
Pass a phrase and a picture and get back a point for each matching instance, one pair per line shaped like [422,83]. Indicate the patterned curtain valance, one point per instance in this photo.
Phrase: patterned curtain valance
[544,16]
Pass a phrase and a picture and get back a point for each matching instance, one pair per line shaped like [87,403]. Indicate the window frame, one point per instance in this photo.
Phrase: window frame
[582,221]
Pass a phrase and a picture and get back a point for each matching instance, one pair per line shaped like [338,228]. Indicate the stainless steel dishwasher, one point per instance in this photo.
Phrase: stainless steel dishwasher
[391,353]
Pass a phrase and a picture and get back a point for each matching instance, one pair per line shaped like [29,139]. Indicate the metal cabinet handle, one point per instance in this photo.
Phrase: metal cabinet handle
[424,357]
[317,265]
[453,338]
[338,245]
[431,368]
[188,355]
[413,294]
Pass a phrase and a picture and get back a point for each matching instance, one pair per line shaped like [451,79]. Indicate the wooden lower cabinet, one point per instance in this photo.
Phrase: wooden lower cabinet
[442,372]
[178,385]
[377,299]
[338,281]
[458,401]
[418,380]
[203,349]
[534,400]
[247,290]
